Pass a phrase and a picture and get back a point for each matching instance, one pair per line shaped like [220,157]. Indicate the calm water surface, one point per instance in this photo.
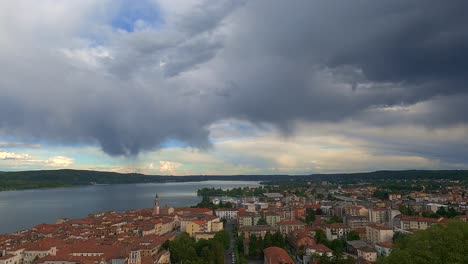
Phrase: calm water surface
[24,209]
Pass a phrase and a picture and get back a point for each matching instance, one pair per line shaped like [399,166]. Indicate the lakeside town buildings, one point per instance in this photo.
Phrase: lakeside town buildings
[136,236]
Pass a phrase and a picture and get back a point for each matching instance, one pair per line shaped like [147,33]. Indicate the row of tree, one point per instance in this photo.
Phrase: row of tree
[185,249]
[257,244]
[240,191]
[449,212]
[206,203]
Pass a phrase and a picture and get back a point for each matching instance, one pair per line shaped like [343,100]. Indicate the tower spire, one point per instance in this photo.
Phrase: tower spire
[156,205]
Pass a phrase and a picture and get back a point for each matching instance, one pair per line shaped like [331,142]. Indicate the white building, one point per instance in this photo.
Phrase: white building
[336,231]
[229,214]
[378,233]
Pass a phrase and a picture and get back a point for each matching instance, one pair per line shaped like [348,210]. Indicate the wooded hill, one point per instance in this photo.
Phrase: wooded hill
[63,178]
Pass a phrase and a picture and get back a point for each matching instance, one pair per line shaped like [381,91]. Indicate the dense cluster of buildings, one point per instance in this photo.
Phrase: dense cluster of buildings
[136,237]
[374,221]
[132,237]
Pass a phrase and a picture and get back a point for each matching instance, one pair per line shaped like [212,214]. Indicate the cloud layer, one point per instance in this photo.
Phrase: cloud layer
[93,73]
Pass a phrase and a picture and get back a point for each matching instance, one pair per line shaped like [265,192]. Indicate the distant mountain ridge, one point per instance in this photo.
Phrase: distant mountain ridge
[68,177]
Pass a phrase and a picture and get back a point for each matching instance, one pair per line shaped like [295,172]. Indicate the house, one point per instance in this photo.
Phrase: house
[10,259]
[355,210]
[287,226]
[355,221]
[258,230]
[183,211]
[299,240]
[336,231]
[272,218]
[384,248]
[378,215]
[229,214]
[418,223]
[319,249]
[286,213]
[245,218]
[378,233]
[166,210]
[38,249]
[204,235]
[367,253]
[149,245]
[163,257]
[202,225]
[394,196]
[354,245]
[276,255]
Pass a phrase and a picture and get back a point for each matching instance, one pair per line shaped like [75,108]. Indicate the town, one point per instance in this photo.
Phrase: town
[277,223]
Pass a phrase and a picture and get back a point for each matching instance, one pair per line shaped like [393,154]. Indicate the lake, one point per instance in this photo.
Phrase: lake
[27,208]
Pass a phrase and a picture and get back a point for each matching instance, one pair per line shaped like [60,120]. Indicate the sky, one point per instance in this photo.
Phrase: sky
[180,87]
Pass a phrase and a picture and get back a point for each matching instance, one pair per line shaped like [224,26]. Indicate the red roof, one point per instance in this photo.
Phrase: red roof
[276,255]
[385,244]
[421,219]
[8,256]
[379,227]
[199,222]
[291,222]
[337,225]
[320,248]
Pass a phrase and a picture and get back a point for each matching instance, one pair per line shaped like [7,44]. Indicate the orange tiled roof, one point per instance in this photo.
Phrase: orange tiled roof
[421,219]
[277,255]
[290,222]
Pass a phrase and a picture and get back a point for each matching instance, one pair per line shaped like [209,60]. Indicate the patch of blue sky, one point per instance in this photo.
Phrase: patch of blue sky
[131,11]
[173,143]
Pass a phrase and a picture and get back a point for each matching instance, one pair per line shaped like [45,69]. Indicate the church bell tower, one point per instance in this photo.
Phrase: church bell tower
[156,205]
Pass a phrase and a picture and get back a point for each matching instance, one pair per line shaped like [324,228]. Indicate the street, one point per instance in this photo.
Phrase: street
[228,257]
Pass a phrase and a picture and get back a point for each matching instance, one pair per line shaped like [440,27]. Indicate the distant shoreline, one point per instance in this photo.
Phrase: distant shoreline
[27,180]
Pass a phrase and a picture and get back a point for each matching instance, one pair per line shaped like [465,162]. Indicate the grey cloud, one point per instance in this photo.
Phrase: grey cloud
[262,61]
[6,145]
[391,52]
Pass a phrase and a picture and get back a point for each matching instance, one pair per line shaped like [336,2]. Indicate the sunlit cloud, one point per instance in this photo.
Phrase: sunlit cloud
[59,161]
[4,155]
[168,166]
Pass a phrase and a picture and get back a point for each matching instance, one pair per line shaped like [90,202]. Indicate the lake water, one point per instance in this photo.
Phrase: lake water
[27,208]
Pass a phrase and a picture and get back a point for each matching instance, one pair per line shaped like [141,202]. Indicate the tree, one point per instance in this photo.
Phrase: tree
[268,240]
[452,212]
[253,246]
[185,249]
[441,211]
[398,235]
[338,245]
[406,210]
[335,259]
[320,236]
[319,211]
[224,238]
[437,244]
[310,215]
[335,219]
[164,246]
[262,221]
[381,194]
[353,235]
[279,240]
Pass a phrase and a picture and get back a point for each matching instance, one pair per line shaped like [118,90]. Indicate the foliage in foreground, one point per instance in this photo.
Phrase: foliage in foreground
[441,244]
[185,249]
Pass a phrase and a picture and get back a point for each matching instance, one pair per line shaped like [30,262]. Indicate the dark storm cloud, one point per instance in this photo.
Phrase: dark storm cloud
[298,57]
[267,62]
